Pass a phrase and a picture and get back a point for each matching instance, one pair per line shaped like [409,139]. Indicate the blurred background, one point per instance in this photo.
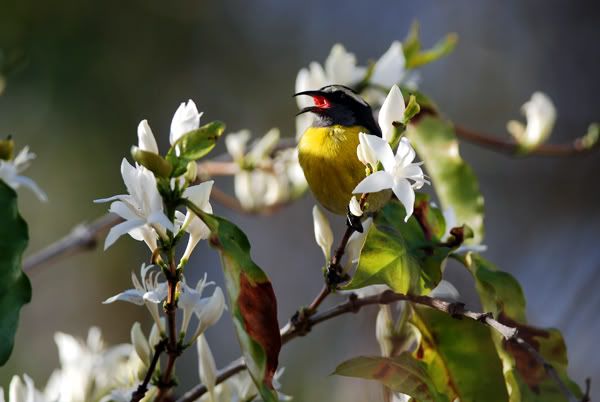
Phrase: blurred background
[87,72]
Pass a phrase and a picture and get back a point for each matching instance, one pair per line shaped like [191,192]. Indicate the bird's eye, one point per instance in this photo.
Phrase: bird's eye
[321,102]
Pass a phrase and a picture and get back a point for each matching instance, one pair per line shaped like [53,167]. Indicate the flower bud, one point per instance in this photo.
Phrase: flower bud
[323,232]
[540,114]
[7,148]
[384,328]
[191,172]
[206,365]
[364,152]
[412,109]
[391,111]
[151,161]
[140,344]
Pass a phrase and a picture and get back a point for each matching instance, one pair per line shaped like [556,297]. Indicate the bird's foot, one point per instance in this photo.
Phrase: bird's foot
[353,222]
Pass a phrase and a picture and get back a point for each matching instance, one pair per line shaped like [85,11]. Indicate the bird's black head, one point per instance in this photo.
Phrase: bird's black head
[338,104]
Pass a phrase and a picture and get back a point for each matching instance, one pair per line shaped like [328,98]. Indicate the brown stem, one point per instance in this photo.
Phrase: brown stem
[354,304]
[141,390]
[512,148]
[166,382]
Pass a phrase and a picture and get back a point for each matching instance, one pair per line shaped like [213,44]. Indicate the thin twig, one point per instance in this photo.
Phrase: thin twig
[578,146]
[354,304]
[83,237]
[141,390]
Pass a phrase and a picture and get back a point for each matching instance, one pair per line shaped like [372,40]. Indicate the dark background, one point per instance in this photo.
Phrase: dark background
[91,71]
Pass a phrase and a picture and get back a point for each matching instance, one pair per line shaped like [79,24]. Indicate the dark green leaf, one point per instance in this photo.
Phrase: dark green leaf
[402,374]
[153,162]
[460,356]
[194,145]
[15,289]
[501,294]
[400,254]
[454,180]
[253,303]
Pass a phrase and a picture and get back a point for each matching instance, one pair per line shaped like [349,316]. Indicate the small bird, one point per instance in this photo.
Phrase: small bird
[327,149]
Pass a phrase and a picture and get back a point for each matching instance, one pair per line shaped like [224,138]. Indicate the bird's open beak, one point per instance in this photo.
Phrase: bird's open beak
[309,93]
[314,109]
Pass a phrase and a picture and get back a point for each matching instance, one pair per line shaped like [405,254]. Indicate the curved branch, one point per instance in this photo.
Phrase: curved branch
[293,330]
[578,146]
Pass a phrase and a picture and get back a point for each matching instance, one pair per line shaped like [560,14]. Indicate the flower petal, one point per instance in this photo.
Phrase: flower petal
[121,229]
[186,119]
[392,110]
[159,217]
[32,185]
[405,153]
[124,210]
[146,140]
[323,232]
[405,193]
[158,294]
[206,365]
[199,194]
[382,151]
[389,69]
[375,182]
[134,296]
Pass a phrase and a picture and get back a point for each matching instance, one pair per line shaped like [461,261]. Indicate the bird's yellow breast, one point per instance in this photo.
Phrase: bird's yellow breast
[332,169]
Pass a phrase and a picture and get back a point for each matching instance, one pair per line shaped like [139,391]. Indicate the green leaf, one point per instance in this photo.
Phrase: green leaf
[399,254]
[15,289]
[194,145]
[460,356]
[402,374]
[453,179]
[253,303]
[151,161]
[444,47]
[501,294]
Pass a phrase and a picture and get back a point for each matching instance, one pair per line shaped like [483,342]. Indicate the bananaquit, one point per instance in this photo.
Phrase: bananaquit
[327,149]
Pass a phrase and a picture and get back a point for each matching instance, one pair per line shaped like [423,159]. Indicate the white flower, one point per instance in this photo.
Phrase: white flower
[146,140]
[323,232]
[236,144]
[208,310]
[147,290]
[384,329]
[392,110]
[364,152]
[540,114]
[207,368]
[199,195]
[390,68]
[398,170]
[142,208]
[186,119]
[445,290]
[140,344]
[354,207]
[241,388]
[9,173]
[264,146]
[88,369]
[355,245]
[22,391]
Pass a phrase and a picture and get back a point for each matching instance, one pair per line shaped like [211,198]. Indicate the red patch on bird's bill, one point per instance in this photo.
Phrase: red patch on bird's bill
[321,101]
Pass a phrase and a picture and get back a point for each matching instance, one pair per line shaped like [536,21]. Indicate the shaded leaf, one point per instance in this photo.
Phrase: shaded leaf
[399,254]
[15,289]
[253,303]
[402,374]
[151,161]
[194,145]
[501,294]
[454,180]
[460,356]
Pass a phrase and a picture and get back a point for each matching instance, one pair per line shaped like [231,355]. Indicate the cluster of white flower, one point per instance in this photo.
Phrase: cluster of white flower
[10,170]
[266,177]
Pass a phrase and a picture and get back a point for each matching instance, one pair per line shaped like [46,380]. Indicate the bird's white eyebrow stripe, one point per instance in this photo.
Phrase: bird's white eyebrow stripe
[347,91]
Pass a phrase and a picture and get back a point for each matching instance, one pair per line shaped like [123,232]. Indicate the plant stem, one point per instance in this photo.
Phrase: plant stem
[354,304]
[512,148]
[140,392]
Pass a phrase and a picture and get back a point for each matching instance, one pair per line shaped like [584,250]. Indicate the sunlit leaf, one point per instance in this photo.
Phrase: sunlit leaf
[253,303]
[402,374]
[194,145]
[501,294]
[15,289]
[399,254]
[452,178]
[460,357]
